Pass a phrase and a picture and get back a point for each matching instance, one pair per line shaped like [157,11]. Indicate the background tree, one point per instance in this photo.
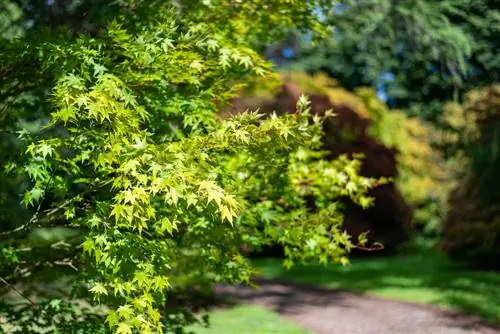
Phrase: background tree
[472,229]
[420,53]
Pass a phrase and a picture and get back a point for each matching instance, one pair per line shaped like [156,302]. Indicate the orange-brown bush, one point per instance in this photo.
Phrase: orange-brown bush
[423,176]
[359,116]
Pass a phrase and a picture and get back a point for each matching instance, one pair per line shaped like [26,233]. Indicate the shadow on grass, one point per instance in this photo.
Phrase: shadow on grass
[419,274]
[281,297]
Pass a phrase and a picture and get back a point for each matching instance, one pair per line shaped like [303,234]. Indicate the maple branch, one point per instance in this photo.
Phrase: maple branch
[17,291]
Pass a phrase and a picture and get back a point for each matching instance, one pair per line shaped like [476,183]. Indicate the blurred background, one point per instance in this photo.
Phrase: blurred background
[415,89]
[415,86]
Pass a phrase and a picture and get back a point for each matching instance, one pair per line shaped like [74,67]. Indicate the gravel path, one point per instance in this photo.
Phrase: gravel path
[325,311]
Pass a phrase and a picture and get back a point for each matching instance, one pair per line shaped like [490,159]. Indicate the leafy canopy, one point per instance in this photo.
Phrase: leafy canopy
[423,52]
[154,192]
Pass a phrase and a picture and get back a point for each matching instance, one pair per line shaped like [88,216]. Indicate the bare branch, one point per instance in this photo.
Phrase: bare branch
[17,291]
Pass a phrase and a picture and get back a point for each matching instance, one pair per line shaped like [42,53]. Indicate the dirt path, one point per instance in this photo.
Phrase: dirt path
[335,312]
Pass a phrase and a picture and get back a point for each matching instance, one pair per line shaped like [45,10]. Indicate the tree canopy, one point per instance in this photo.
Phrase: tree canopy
[423,52]
[108,112]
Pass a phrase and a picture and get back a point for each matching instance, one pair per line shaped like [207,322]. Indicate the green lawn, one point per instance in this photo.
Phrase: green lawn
[248,320]
[419,274]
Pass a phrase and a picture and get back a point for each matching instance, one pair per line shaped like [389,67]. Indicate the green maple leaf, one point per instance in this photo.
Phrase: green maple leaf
[140,277]
[226,214]
[99,69]
[173,194]
[125,311]
[129,197]
[99,289]
[191,199]
[123,329]
[33,195]
[112,318]
[45,149]
[35,171]
[213,191]
[365,202]
[351,187]
[215,195]
[212,45]
[197,65]
[167,44]
[246,61]
[88,245]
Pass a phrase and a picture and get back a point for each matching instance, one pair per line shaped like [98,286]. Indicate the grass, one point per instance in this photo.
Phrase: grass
[419,274]
[247,320]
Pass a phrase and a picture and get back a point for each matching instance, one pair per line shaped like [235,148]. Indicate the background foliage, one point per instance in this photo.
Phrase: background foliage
[471,230]
[424,177]
[444,48]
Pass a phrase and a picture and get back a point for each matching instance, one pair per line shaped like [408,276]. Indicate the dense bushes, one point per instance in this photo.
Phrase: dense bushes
[394,146]
[471,230]
[388,219]
[361,125]
[424,175]
[472,227]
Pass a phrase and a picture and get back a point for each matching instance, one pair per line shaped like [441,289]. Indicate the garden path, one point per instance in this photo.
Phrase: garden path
[324,311]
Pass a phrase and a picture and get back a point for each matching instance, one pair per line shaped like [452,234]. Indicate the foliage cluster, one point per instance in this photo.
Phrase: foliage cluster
[115,142]
[424,177]
[472,134]
[472,230]
[423,52]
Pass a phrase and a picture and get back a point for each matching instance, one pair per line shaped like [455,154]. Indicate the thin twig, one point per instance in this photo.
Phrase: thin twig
[32,220]
[66,263]
[369,249]
[17,291]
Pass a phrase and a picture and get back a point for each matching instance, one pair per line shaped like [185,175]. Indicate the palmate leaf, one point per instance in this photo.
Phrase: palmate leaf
[112,319]
[123,328]
[99,289]
[226,214]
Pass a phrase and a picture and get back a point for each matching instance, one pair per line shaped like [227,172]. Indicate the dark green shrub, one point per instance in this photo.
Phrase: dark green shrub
[472,227]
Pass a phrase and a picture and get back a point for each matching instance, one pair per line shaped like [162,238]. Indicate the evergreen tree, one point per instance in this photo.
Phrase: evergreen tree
[423,52]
